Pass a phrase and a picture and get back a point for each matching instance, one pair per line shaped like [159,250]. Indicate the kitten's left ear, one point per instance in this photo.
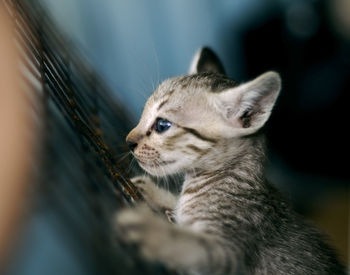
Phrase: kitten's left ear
[246,108]
[205,60]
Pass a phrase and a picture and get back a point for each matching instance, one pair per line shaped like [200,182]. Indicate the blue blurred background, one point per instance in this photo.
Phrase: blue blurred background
[134,45]
[137,44]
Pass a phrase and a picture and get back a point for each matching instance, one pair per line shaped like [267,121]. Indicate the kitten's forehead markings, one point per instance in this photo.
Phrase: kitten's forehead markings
[162,104]
[173,110]
[165,100]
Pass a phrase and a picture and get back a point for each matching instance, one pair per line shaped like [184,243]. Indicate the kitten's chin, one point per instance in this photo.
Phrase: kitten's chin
[162,169]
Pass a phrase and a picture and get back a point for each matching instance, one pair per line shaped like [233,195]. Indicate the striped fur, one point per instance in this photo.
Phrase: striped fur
[229,220]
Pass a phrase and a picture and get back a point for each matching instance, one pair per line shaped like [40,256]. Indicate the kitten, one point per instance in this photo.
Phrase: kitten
[228,218]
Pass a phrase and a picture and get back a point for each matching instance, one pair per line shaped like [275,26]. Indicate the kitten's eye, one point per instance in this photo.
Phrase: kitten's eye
[162,125]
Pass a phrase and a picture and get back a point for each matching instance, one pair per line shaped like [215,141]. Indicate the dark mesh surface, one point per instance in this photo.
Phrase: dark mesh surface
[81,183]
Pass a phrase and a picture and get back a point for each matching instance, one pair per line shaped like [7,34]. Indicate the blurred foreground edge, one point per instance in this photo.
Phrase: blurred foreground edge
[60,141]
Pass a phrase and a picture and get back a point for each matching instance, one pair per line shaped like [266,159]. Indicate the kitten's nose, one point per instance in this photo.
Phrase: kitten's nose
[132,145]
[133,138]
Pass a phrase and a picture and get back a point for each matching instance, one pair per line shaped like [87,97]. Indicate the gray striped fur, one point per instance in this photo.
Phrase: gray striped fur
[229,219]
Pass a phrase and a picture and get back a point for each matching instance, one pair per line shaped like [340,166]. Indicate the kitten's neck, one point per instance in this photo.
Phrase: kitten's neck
[244,163]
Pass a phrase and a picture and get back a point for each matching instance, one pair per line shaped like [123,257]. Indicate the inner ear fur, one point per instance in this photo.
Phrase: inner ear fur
[249,105]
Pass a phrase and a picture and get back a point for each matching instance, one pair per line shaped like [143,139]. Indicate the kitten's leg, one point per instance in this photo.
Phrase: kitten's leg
[176,247]
[158,198]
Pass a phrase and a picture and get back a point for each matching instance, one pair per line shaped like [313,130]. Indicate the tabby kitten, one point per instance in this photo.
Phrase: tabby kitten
[228,218]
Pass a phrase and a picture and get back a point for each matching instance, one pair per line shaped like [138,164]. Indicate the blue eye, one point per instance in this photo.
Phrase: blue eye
[162,125]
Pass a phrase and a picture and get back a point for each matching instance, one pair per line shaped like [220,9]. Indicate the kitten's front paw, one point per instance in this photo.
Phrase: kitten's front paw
[159,199]
[146,186]
[147,231]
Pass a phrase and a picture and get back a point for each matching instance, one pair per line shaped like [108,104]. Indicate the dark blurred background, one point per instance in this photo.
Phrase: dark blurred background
[134,45]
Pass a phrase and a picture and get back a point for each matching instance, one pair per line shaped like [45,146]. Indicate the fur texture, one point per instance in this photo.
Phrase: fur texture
[228,219]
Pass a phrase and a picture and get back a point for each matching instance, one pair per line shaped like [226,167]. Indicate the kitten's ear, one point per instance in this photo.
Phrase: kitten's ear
[248,106]
[205,60]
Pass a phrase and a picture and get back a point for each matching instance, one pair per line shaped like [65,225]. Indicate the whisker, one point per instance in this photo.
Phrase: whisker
[121,155]
[131,164]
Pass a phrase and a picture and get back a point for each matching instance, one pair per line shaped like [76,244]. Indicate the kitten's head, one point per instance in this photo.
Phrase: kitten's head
[191,120]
